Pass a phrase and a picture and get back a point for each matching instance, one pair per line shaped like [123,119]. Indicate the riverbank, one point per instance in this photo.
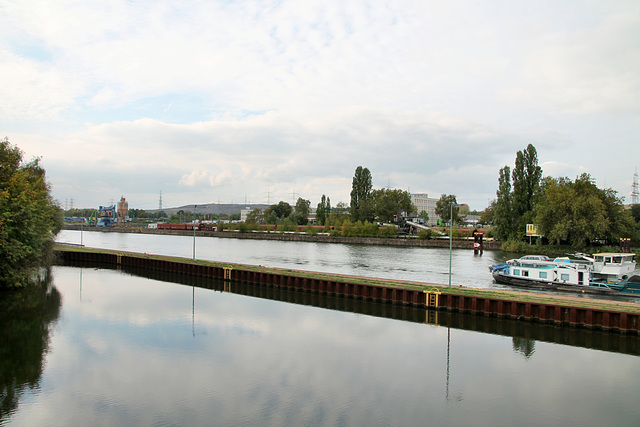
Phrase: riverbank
[296,237]
[619,316]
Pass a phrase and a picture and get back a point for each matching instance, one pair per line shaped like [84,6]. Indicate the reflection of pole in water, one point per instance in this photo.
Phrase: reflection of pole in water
[193,311]
[458,396]
[80,283]
[448,352]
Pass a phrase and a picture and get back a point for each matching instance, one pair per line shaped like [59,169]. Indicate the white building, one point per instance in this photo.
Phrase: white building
[422,202]
[244,213]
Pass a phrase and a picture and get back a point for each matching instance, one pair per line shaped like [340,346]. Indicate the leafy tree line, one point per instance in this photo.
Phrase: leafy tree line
[371,205]
[29,218]
[574,212]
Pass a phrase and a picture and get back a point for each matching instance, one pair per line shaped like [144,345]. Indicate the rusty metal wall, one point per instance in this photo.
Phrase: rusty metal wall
[607,320]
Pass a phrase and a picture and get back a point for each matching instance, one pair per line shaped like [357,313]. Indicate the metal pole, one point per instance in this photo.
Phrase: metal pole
[451,241]
[194,231]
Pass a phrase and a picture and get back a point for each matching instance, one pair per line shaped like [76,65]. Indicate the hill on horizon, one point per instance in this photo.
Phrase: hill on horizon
[212,208]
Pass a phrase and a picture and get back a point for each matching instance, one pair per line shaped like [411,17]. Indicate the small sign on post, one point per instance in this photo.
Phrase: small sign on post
[532,231]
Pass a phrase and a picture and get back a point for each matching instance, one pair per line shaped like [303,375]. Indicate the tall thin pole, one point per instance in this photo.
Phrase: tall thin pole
[450,242]
[194,231]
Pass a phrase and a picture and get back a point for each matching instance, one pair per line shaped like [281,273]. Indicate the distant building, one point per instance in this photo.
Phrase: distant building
[244,213]
[123,210]
[422,202]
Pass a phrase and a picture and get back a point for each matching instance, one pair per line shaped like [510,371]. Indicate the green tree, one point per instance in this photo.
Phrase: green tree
[424,215]
[486,217]
[29,218]
[256,216]
[443,208]
[300,213]
[275,214]
[338,214]
[526,187]
[323,210]
[579,212]
[635,212]
[361,186]
[388,203]
[503,210]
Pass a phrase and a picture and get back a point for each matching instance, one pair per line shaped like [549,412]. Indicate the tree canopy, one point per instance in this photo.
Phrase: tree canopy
[578,212]
[300,213]
[361,204]
[514,205]
[323,210]
[388,203]
[29,218]
[443,208]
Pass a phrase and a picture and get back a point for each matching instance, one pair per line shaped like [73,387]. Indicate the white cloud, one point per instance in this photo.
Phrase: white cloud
[587,70]
[224,99]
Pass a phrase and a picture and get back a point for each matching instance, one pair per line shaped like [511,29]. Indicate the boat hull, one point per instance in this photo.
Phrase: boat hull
[530,283]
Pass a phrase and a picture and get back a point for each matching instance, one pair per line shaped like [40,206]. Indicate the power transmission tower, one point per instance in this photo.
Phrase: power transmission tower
[634,189]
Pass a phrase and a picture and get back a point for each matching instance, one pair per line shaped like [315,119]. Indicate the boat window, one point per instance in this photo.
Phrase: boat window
[599,258]
[564,276]
[617,259]
[543,274]
[516,272]
[607,259]
[525,273]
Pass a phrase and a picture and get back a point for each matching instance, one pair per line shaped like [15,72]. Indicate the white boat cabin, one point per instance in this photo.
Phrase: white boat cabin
[550,271]
[613,266]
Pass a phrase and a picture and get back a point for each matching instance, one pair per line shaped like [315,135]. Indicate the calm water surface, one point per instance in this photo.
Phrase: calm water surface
[128,350]
[419,264]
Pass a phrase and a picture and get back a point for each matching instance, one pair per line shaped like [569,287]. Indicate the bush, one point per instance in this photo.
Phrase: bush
[387,232]
[425,234]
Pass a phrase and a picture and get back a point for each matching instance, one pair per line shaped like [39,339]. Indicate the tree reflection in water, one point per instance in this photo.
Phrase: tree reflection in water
[26,317]
[524,346]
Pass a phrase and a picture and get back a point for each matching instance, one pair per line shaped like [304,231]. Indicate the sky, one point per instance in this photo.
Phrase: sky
[262,101]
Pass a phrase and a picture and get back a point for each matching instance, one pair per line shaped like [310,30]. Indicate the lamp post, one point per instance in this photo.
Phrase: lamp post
[194,231]
[451,241]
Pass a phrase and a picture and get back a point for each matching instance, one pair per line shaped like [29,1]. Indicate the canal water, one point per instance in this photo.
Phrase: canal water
[124,347]
[429,265]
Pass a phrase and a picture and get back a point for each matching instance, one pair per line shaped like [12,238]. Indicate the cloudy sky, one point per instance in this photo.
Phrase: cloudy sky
[261,101]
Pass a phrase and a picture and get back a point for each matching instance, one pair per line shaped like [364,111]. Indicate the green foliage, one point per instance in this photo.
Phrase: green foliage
[387,232]
[361,203]
[635,212]
[256,216]
[424,215]
[425,234]
[310,230]
[289,224]
[514,209]
[579,212]
[323,210]
[29,218]
[300,213]
[388,203]
[487,215]
[443,208]
[275,214]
